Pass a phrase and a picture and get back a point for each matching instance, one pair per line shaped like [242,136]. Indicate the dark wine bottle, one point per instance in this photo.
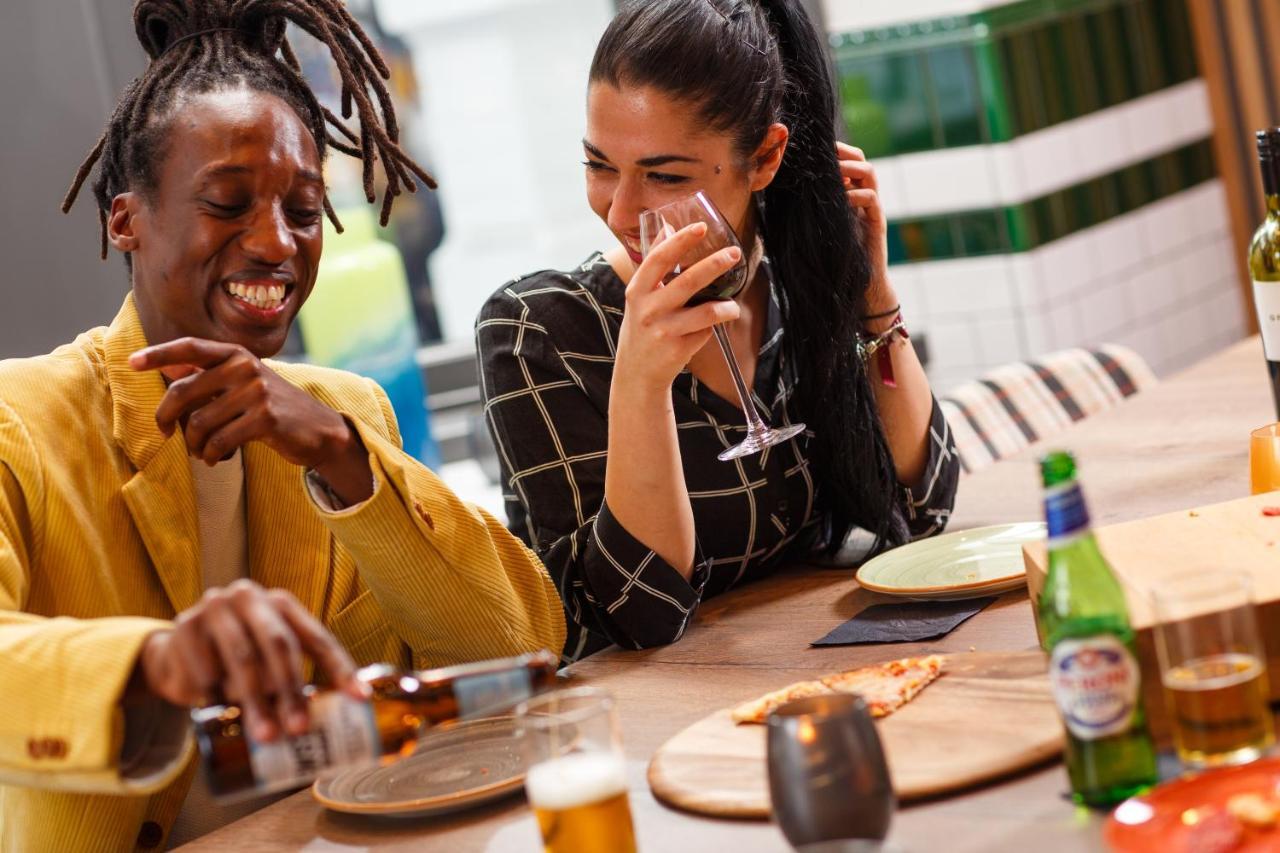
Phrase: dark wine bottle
[1264,258]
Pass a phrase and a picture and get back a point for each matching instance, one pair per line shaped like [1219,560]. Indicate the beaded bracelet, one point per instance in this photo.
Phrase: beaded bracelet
[877,347]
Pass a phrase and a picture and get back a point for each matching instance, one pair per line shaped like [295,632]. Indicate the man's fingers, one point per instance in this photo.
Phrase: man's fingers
[195,352]
[230,436]
[194,390]
[280,654]
[178,371]
[316,641]
[199,661]
[219,417]
[240,661]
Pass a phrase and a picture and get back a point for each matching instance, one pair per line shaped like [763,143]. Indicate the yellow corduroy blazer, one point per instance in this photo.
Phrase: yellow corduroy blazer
[98,548]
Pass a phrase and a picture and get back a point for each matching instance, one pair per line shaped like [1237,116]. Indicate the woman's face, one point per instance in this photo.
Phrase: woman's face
[644,149]
[227,244]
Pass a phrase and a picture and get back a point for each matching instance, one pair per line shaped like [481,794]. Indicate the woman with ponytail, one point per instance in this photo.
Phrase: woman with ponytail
[185,521]
[605,362]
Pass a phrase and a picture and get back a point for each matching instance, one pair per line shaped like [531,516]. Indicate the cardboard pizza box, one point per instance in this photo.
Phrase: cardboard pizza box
[1237,536]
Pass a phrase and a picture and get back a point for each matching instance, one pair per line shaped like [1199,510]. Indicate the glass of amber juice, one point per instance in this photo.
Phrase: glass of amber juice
[1264,459]
[1214,668]
[576,779]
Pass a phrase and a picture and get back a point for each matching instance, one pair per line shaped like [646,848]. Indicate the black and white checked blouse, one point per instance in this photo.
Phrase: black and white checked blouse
[546,345]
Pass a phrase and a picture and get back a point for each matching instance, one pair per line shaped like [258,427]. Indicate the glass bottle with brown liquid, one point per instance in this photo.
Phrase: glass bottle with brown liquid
[346,732]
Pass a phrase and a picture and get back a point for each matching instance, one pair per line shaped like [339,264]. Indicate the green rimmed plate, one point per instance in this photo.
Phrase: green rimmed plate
[965,564]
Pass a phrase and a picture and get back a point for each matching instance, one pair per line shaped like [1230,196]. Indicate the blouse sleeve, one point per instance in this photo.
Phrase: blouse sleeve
[552,438]
[927,507]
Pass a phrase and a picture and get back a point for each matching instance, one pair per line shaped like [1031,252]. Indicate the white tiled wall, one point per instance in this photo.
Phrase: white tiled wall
[982,176]
[850,15]
[1160,280]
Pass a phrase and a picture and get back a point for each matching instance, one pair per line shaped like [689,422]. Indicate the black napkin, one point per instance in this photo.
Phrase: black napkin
[904,623]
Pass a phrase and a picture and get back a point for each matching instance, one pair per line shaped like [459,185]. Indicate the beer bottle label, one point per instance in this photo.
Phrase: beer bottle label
[492,691]
[1065,511]
[1095,685]
[343,732]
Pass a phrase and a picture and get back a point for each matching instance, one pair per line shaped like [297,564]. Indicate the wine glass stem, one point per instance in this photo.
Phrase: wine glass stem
[755,425]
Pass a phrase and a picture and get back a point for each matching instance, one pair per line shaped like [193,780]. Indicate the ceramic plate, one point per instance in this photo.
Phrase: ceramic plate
[1191,813]
[966,564]
[467,764]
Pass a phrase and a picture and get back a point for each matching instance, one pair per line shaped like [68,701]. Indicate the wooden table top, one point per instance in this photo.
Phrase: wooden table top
[1180,444]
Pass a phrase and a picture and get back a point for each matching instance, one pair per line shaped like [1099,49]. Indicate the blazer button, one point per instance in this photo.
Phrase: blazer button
[150,835]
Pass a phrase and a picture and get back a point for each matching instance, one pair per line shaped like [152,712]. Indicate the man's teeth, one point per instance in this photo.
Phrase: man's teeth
[257,295]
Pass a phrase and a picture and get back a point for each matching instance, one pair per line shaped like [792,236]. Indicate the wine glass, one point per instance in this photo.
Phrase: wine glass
[662,222]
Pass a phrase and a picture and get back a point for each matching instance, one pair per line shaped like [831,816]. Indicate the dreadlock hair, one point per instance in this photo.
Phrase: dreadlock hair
[742,65]
[198,46]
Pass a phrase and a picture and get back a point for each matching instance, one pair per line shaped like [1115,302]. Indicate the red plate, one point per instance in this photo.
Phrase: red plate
[1189,815]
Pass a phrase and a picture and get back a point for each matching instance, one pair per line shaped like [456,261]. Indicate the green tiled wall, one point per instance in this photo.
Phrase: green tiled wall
[1022,227]
[992,76]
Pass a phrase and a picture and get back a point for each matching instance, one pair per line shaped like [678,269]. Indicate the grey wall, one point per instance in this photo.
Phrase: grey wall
[62,65]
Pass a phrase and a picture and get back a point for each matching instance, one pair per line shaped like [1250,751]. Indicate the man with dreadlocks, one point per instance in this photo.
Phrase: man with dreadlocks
[181,520]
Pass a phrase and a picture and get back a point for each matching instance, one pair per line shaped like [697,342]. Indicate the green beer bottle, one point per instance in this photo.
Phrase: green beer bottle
[1092,666]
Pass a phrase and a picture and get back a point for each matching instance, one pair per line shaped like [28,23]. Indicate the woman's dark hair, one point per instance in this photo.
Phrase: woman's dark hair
[743,65]
[198,46]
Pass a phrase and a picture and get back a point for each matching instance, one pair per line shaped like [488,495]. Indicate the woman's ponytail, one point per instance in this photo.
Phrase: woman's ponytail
[818,248]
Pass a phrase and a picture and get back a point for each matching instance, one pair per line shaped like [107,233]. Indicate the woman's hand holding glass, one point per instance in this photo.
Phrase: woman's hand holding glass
[660,334]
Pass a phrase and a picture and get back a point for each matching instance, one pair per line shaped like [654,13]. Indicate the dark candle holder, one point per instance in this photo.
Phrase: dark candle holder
[828,778]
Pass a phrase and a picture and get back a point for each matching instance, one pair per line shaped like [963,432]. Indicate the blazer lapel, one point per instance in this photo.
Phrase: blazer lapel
[160,496]
[289,546]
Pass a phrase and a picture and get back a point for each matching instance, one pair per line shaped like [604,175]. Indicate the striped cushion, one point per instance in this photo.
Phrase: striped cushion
[1012,406]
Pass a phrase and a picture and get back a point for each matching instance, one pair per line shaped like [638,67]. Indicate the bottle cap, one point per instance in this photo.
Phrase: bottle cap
[1057,466]
[1269,158]
[1268,141]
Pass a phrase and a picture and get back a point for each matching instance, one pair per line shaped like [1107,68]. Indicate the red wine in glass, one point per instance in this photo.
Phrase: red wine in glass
[661,222]
[726,286]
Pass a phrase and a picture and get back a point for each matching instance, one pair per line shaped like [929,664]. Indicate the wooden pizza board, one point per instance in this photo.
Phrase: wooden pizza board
[988,715]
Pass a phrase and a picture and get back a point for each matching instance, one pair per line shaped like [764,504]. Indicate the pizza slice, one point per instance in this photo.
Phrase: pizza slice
[758,710]
[888,686]
[885,688]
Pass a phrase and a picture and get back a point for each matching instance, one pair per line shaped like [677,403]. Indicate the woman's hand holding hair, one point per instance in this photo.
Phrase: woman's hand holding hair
[906,408]
[863,192]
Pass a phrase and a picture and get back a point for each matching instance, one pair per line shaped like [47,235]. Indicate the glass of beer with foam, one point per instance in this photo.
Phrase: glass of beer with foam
[576,779]
[1213,667]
